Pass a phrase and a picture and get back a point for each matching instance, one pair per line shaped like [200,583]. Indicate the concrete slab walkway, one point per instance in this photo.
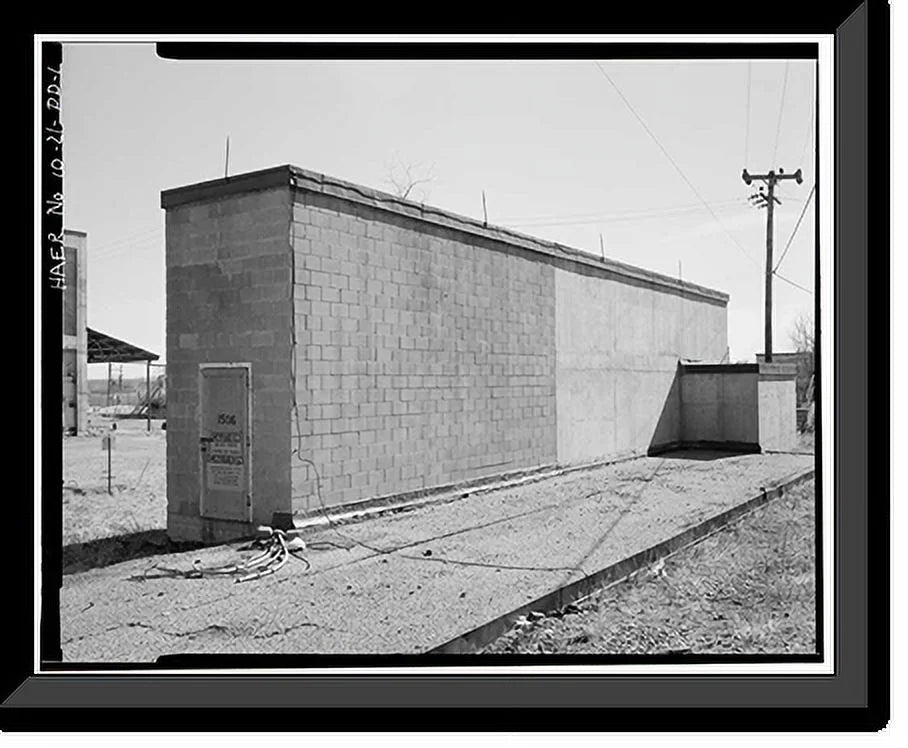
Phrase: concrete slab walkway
[410,581]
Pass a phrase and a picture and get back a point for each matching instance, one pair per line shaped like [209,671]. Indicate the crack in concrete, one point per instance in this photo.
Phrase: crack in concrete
[214,628]
[177,634]
[89,636]
[288,629]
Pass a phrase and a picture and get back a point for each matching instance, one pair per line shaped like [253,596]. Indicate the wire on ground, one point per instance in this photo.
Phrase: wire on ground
[278,547]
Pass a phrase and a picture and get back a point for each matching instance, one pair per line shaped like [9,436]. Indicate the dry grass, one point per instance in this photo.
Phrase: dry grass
[749,589]
[100,527]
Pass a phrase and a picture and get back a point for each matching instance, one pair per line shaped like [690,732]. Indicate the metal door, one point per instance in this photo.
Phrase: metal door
[224,441]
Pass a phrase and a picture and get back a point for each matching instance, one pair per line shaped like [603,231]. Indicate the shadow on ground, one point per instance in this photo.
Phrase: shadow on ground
[702,454]
[95,554]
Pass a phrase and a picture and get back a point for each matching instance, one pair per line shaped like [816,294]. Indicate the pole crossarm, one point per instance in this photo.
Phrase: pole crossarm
[772,177]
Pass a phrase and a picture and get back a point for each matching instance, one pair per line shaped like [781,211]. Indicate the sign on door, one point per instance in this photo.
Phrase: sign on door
[224,443]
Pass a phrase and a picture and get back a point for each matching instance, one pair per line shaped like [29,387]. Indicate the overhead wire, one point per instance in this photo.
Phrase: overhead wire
[112,247]
[674,164]
[747,114]
[795,230]
[792,283]
[126,238]
[775,148]
[810,128]
[617,218]
[622,213]
[125,250]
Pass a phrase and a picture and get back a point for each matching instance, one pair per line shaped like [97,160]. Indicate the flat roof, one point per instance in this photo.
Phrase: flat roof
[104,348]
[308,181]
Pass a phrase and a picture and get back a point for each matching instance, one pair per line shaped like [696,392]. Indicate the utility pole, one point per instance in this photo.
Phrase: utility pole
[766,198]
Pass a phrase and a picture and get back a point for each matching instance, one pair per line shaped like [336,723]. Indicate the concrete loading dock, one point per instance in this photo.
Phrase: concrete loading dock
[329,344]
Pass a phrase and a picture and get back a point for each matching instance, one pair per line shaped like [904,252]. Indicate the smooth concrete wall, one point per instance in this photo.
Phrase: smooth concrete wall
[719,406]
[617,349]
[228,301]
[425,356]
[778,410]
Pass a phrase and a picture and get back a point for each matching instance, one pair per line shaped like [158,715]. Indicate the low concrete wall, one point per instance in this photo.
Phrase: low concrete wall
[719,404]
[777,389]
[738,406]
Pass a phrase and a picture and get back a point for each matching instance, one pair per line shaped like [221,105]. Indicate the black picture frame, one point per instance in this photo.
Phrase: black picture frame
[856,697]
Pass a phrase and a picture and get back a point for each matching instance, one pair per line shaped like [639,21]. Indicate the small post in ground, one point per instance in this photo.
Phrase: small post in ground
[148,394]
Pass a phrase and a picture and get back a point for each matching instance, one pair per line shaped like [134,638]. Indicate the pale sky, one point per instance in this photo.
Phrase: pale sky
[556,149]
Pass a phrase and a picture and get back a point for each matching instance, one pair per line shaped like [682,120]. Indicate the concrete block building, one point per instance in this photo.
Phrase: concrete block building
[328,344]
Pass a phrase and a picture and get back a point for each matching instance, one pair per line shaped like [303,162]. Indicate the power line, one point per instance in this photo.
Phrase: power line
[123,239]
[673,163]
[747,116]
[119,251]
[795,231]
[613,218]
[779,121]
[558,216]
[810,128]
[792,283]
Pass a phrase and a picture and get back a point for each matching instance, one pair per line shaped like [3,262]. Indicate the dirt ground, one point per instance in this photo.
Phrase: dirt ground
[748,589]
[409,581]
[138,501]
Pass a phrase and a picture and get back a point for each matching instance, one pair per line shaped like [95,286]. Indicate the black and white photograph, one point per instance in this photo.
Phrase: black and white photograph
[405,357]
[447,356]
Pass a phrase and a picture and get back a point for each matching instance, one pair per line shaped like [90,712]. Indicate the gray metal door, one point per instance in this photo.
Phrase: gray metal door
[224,442]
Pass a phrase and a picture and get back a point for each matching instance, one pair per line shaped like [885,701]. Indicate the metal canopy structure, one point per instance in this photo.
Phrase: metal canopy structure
[105,349]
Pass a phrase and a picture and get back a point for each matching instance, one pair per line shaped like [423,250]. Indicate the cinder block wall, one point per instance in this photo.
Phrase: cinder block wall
[433,349]
[228,300]
[425,357]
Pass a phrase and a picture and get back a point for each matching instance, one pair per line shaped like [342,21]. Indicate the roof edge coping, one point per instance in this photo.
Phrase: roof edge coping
[317,183]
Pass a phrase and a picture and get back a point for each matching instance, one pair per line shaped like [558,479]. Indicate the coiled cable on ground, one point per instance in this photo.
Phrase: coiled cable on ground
[279,547]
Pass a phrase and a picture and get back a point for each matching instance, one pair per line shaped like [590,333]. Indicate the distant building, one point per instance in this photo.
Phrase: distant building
[83,346]
[75,333]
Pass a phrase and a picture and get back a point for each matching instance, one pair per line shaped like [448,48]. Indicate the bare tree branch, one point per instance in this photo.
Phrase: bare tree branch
[802,333]
[404,177]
